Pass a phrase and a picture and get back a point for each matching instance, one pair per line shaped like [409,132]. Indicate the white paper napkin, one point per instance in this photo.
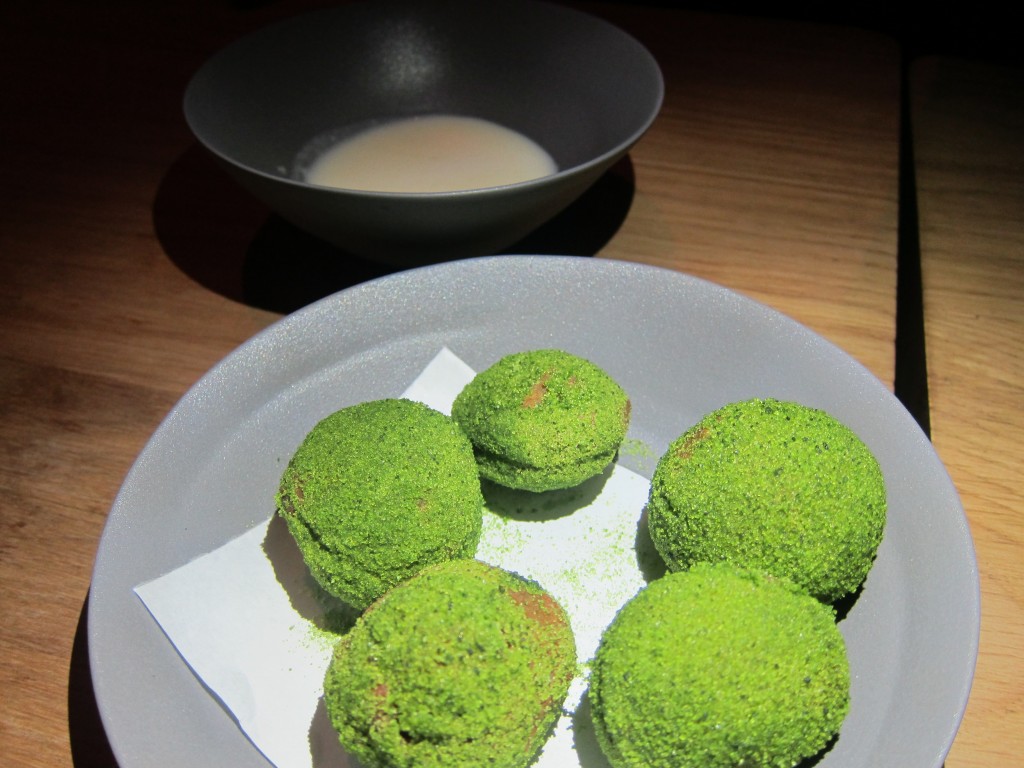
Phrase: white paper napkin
[253,626]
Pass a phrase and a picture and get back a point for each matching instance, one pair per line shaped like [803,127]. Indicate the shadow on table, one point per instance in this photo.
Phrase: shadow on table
[227,241]
[89,745]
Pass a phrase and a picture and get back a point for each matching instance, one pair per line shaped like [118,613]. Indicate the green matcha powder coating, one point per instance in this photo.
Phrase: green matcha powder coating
[774,486]
[376,492]
[718,667]
[463,666]
[543,419]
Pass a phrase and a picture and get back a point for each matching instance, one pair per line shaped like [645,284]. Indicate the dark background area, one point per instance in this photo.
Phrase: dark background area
[971,30]
[980,30]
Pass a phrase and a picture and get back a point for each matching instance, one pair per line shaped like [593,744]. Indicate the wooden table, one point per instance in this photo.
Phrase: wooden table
[131,265]
[968,130]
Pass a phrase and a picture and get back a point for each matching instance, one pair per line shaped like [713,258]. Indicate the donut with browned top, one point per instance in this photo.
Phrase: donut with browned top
[543,419]
[718,667]
[775,486]
[462,666]
[377,491]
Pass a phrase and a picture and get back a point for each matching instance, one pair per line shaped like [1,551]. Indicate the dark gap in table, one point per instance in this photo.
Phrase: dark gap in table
[911,365]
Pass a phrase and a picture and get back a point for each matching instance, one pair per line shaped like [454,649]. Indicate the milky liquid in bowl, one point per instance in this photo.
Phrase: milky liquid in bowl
[432,153]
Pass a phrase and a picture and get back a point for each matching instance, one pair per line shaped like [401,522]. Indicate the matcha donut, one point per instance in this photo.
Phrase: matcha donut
[464,665]
[717,667]
[774,486]
[376,492]
[543,420]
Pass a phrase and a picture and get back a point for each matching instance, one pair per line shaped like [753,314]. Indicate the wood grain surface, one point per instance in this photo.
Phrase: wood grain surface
[968,130]
[131,265]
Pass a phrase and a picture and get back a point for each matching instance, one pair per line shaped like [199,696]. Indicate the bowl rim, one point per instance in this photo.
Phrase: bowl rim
[579,169]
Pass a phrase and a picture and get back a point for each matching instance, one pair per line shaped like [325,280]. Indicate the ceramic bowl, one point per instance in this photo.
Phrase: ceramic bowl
[581,88]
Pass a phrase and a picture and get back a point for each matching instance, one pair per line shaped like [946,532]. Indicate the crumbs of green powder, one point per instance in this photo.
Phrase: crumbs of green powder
[334,620]
[641,454]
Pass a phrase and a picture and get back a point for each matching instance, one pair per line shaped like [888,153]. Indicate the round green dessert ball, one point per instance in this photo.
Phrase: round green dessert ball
[717,667]
[464,665]
[376,492]
[543,420]
[774,486]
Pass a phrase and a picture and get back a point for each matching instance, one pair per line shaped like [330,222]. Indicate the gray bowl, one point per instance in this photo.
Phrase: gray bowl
[581,88]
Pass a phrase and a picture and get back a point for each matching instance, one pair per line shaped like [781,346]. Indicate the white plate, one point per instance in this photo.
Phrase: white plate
[680,346]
